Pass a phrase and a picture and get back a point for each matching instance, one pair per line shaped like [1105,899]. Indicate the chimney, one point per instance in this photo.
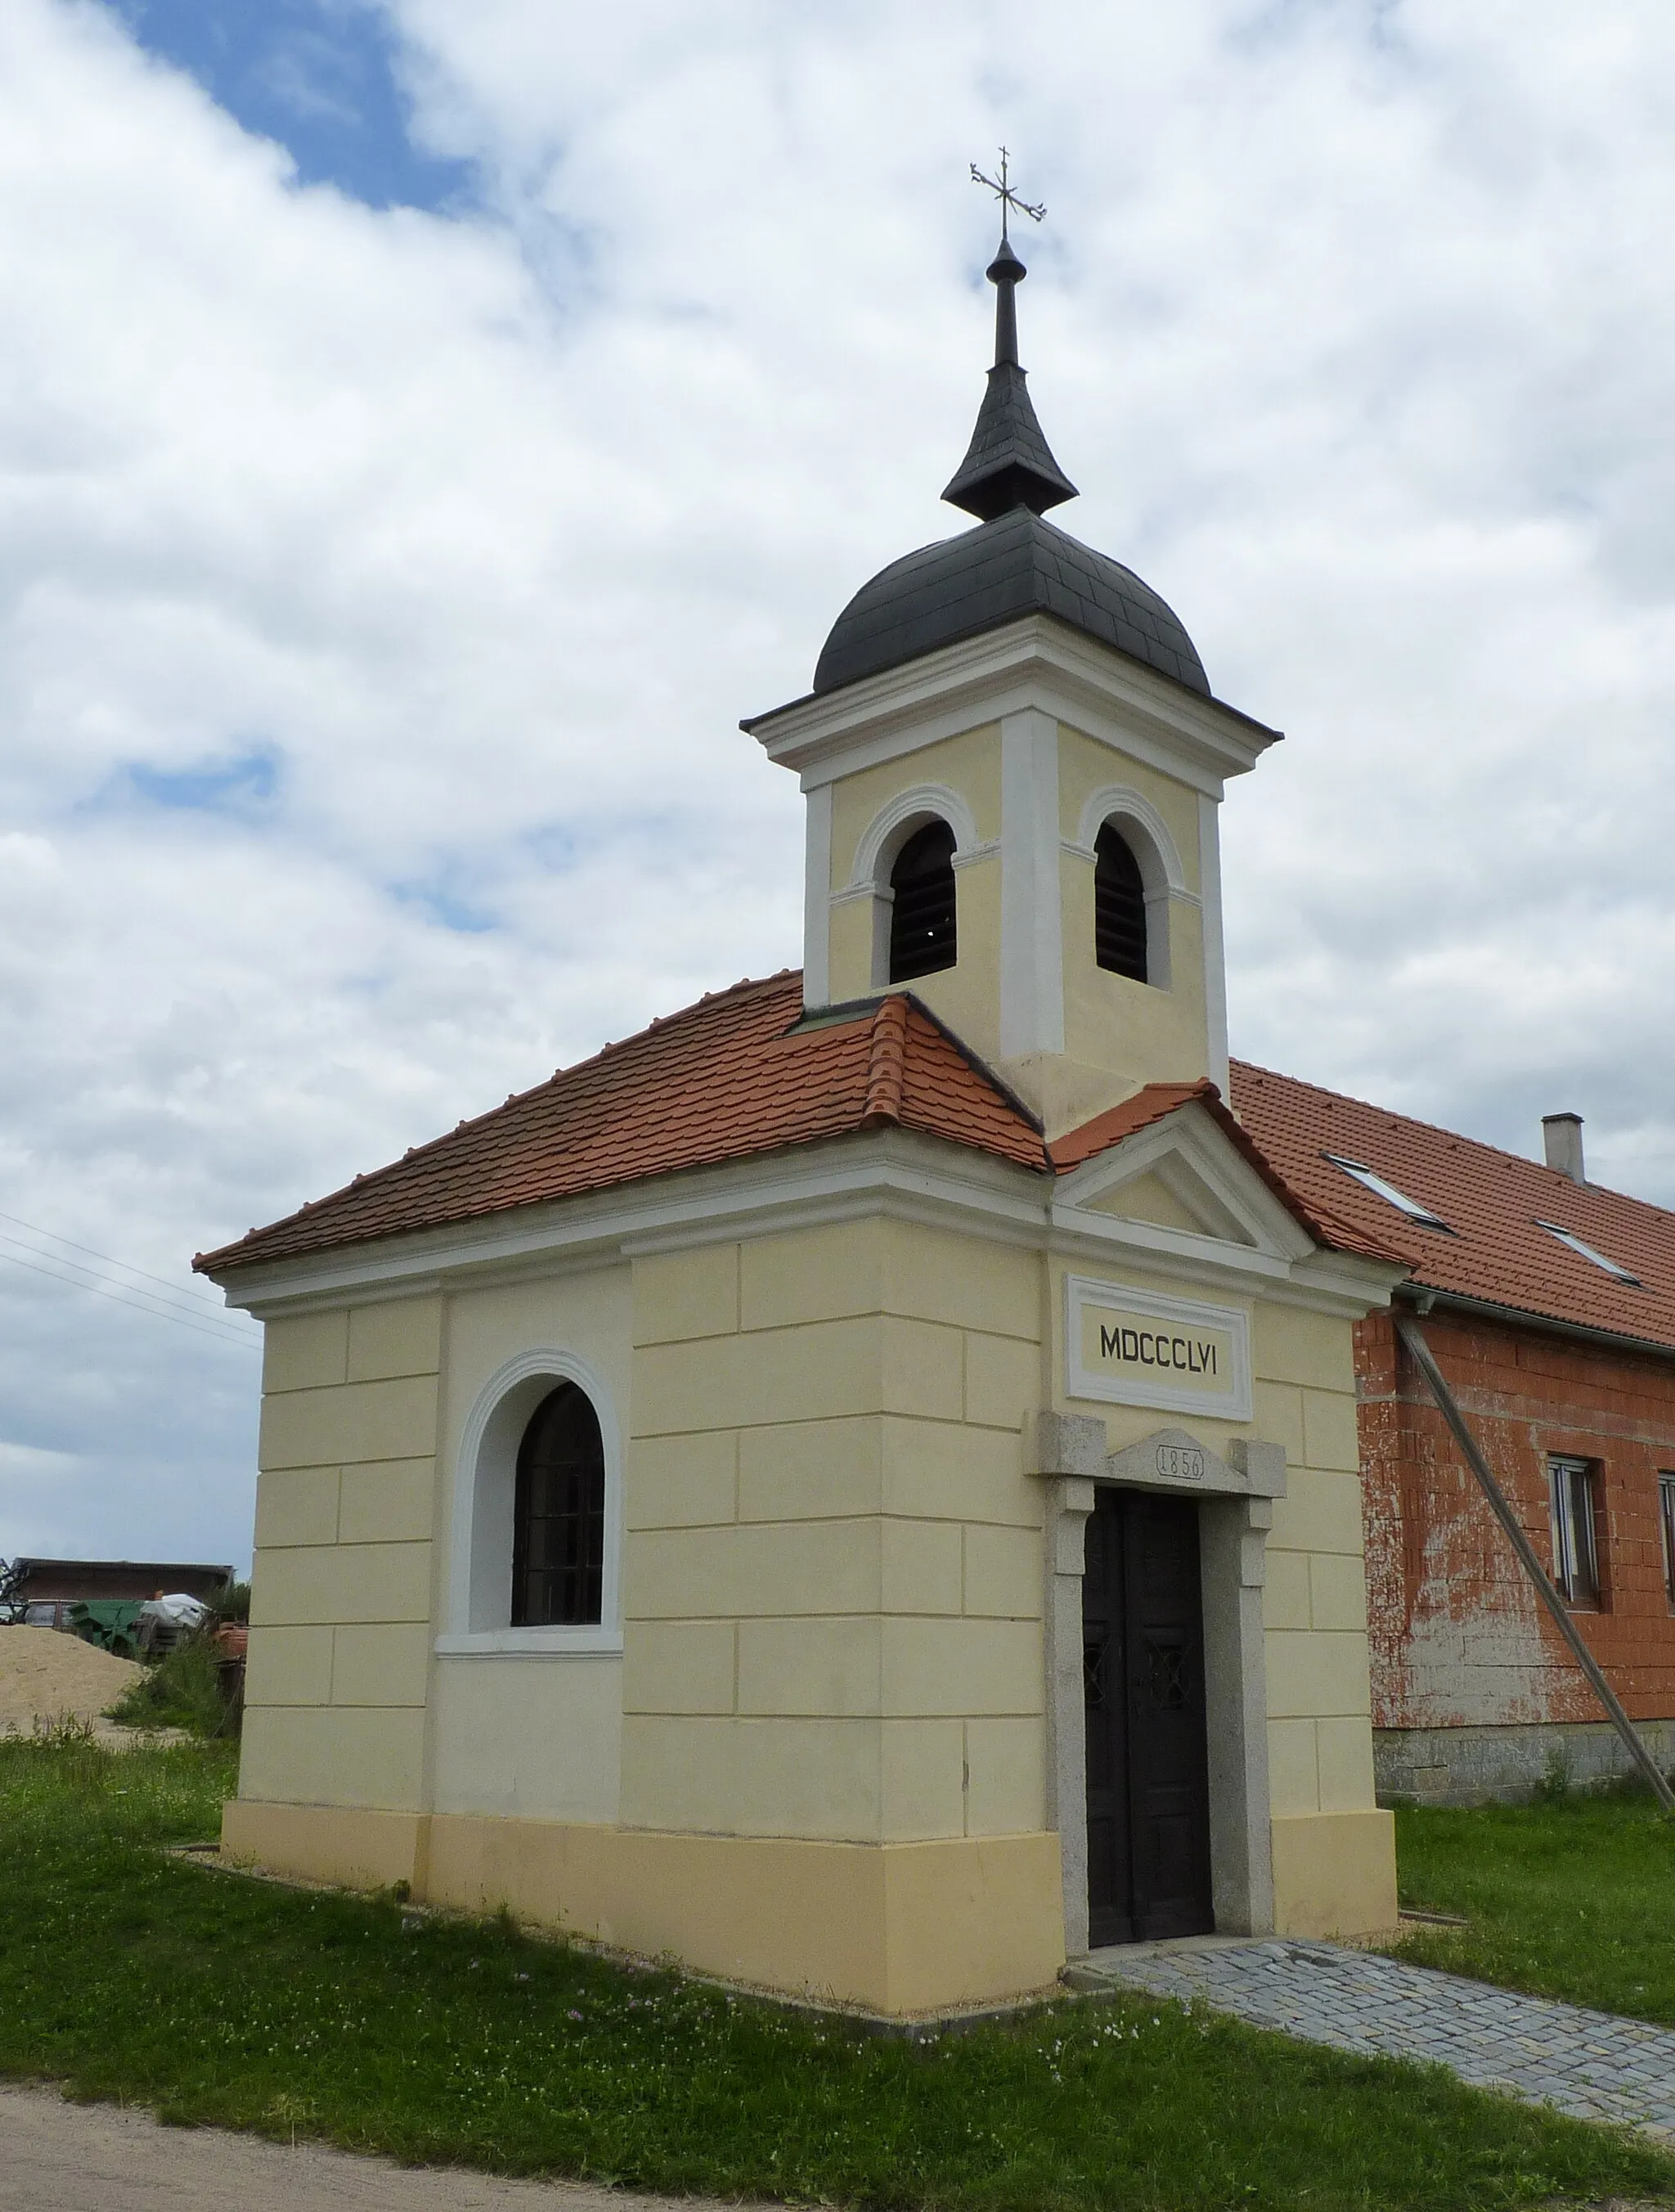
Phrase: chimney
[1562,1137]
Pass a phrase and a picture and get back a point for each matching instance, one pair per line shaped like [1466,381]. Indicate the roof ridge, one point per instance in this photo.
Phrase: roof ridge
[887,1063]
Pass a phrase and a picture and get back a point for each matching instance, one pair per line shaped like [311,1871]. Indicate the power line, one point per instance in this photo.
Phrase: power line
[95,1279]
[103,1290]
[127,1266]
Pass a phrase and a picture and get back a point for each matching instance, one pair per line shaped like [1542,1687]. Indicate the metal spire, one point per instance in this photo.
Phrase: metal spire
[1008,464]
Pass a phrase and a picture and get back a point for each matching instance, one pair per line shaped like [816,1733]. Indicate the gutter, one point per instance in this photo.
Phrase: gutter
[1423,1298]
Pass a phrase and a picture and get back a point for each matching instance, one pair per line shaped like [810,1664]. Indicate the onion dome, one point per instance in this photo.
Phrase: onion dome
[1016,563]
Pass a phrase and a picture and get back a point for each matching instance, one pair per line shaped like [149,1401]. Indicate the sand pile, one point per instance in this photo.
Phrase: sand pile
[45,1673]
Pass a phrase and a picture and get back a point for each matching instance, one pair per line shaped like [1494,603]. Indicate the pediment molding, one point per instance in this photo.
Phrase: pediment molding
[1202,1171]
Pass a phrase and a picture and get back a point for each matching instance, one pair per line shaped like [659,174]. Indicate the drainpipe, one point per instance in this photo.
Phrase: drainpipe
[1425,1360]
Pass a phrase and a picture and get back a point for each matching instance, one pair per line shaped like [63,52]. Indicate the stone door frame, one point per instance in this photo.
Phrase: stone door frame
[1235,1512]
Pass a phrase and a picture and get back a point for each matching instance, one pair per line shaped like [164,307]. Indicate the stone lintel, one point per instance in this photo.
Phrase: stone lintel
[1072,1445]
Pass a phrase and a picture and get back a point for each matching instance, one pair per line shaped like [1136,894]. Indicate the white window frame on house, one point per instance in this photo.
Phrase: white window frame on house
[1587,1251]
[1574,1505]
[479,1606]
[1666,1522]
[1370,1179]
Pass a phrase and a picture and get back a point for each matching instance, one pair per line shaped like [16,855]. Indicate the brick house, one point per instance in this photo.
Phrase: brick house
[1549,1304]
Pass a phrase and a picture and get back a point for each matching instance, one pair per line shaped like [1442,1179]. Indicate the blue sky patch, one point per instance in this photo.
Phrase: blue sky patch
[238,785]
[318,77]
[448,907]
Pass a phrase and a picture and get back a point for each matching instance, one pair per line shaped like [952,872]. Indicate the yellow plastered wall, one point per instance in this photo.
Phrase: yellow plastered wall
[536,1737]
[833,1567]
[1138,1030]
[341,1598]
[1334,1851]
[1118,1033]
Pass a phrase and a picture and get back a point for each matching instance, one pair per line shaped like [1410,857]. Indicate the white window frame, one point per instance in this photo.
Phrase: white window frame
[1575,1543]
[479,1610]
[1586,1251]
[1666,1525]
[1369,1179]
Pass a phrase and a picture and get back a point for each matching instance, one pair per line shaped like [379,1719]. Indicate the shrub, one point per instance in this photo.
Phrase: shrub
[183,1690]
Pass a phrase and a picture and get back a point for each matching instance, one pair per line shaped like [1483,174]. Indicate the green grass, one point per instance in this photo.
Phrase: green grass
[127,1973]
[1571,1897]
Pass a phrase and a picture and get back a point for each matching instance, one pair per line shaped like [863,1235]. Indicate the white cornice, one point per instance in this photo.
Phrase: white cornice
[898,1174]
[1033,662]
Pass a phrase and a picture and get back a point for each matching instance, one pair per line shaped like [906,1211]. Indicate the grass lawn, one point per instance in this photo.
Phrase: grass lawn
[125,1973]
[1573,1898]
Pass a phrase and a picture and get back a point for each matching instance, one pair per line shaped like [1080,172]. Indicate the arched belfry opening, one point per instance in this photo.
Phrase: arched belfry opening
[923,929]
[1120,907]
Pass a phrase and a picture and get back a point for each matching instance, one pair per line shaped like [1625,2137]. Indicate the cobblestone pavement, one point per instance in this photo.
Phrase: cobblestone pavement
[1592,2065]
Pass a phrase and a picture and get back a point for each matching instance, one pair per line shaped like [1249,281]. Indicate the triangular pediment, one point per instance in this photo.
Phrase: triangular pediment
[1184,1174]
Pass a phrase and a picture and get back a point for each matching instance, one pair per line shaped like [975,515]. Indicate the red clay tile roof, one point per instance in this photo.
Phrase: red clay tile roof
[1151,1105]
[1158,1100]
[1493,1202]
[732,1076]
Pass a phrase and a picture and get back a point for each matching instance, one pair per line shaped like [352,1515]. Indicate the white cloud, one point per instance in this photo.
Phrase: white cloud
[379,593]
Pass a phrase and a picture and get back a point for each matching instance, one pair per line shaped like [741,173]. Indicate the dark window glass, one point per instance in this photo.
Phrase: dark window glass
[1666,1514]
[1119,906]
[1575,1558]
[558,1539]
[922,921]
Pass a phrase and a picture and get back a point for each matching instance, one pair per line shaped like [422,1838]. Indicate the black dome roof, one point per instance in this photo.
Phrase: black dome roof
[1018,564]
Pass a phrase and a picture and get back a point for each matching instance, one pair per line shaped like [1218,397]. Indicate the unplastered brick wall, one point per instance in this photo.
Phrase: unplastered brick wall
[1458,1637]
[833,1562]
[341,1595]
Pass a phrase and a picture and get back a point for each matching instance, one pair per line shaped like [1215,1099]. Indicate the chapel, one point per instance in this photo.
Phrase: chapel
[857,1486]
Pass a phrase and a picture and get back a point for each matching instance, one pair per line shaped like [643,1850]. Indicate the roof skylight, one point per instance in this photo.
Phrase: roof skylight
[1387,1191]
[1569,1236]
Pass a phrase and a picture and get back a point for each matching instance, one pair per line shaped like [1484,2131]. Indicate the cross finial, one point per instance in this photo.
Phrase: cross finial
[1008,198]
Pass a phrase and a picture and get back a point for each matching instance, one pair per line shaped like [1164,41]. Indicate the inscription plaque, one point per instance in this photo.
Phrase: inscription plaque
[1135,1347]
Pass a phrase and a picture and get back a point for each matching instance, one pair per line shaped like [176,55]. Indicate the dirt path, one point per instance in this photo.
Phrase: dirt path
[53,2154]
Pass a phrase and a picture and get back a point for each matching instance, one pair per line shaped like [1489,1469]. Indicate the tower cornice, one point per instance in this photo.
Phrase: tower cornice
[1036,662]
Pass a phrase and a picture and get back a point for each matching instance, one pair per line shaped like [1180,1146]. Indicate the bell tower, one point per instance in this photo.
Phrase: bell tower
[1013,766]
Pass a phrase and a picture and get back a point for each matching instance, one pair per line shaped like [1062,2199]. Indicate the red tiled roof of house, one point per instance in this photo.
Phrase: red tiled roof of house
[1494,1203]
[733,1075]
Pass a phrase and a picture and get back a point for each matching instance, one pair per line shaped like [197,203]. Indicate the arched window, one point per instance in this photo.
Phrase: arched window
[558,1526]
[1119,906]
[921,922]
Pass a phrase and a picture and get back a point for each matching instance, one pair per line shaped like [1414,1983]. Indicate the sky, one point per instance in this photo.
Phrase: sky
[425,431]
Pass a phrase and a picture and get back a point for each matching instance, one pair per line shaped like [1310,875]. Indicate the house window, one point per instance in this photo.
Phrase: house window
[1389,1193]
[1587,1252]
[558,1530]
[1666,1515]
[1119,906]
[922,936]
[1575,1556]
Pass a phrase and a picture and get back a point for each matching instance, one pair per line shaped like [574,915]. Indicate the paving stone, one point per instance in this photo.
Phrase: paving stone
[1592,2065]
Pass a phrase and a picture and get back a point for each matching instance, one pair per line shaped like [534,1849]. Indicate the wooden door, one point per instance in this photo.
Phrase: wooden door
[1143,1670]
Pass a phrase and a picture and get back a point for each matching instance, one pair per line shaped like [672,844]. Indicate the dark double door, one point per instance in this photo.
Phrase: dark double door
[1143,1665]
